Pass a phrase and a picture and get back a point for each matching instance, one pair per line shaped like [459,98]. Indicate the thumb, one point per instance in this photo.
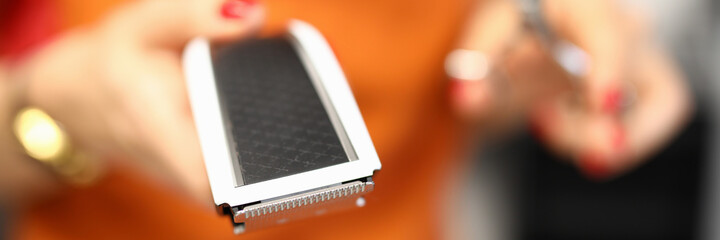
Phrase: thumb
[172,23]
[492,26]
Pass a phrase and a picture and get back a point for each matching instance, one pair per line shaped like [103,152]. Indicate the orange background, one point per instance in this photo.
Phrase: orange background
[392,52]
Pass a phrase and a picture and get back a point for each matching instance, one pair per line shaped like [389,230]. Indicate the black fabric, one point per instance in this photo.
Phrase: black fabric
[277,122]
[659,200]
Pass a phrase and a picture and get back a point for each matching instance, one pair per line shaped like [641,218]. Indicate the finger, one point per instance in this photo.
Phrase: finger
[527,76]
[556,125]
[532,74]
[604,146]
[602,150]
[596,143]
[662,107]
[594,26]
[167,132]
[492,26]
[172,23]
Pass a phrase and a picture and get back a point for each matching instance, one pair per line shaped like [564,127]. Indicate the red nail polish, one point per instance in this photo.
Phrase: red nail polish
[465,92]
[594,166]
[469,99]
[612,101]
[234,9]
[454,86]
[456,92]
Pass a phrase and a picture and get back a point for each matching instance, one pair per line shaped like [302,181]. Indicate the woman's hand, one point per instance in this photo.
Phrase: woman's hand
[117,87]
[587,120]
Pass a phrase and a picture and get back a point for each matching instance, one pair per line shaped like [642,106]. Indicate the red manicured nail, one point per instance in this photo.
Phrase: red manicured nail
[455,88]
[461,98]
[594,166]
[234,9]
[457,96]
[612,100]
[468,98]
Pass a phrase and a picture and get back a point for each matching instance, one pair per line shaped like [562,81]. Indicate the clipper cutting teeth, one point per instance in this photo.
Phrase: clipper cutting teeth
[305,200]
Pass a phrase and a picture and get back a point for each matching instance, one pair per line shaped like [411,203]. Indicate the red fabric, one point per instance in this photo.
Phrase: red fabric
[24,25]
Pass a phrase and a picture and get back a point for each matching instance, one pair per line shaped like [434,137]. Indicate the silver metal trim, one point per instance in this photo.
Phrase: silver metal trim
[302,200]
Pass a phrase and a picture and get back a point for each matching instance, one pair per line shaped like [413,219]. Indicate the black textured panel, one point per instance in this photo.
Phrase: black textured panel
[277,123]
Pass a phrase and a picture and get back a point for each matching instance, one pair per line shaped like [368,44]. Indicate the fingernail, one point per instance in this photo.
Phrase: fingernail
[468,98]
[459,93]
[458,96]
[594,166]
[612,101]
[234,9]
[455,89]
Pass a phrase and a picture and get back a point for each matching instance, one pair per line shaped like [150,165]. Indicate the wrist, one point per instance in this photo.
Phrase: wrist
[39,91]
[22,180]
[7,101]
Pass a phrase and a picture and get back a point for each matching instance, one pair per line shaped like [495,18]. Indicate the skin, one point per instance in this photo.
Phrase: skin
[571,116]
[117,88]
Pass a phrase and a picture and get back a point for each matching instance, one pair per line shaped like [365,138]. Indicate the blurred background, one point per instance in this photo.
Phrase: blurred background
[513,187]
[527,193]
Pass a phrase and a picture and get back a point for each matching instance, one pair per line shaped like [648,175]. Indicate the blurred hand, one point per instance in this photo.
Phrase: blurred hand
[580,119]
[117,87]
